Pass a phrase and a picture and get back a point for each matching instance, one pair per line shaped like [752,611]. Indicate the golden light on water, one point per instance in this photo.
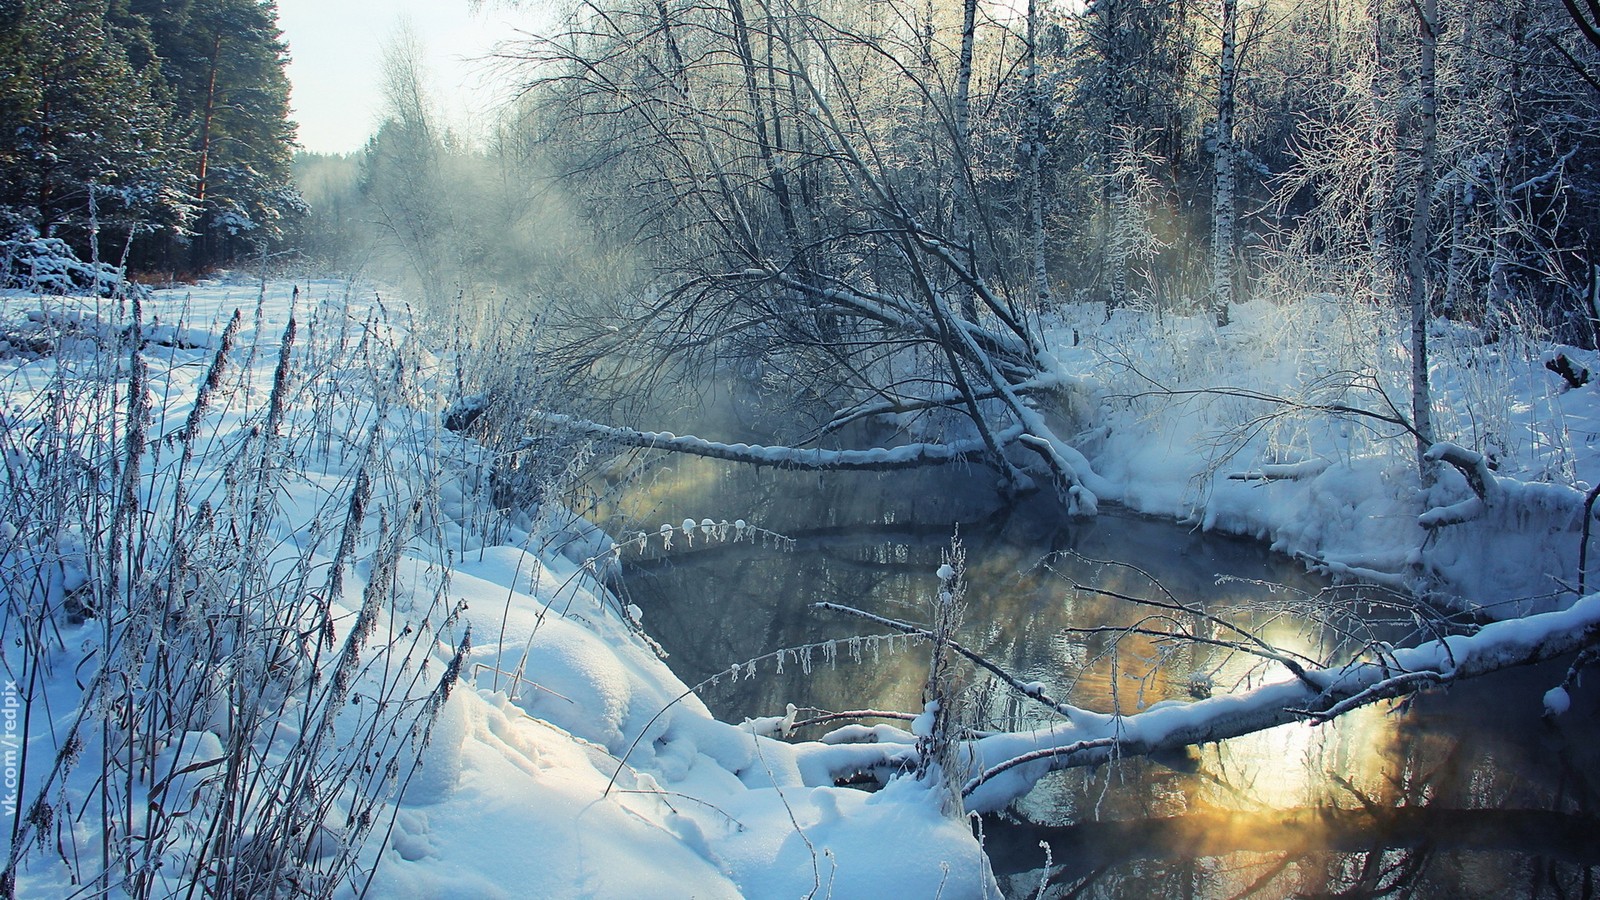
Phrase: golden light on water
[1289,766]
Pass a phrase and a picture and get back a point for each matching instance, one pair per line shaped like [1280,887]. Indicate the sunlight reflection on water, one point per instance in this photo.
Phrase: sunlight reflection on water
[1297,809]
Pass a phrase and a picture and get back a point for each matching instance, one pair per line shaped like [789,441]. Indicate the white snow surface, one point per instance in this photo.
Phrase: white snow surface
[1247,429]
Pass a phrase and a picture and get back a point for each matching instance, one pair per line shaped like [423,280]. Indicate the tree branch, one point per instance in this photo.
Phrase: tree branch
[809,459]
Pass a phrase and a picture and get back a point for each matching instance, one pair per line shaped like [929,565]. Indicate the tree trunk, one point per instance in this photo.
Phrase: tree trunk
[764,145]
[1456,284]
[963,127]
[1417,246]
[1222,210]
[201,252]
[1035,139]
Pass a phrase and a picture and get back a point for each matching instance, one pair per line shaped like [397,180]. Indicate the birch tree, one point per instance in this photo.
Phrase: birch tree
[1222,209]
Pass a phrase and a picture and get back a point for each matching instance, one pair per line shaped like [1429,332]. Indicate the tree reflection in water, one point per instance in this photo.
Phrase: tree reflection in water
[1473,795]
[1462,793]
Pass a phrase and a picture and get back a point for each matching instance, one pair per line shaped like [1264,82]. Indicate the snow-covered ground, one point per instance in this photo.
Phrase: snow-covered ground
[567,761]
[382,658]
[1275,427]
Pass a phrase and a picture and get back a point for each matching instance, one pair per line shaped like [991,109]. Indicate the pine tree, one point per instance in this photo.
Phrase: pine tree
[224,61]
[87,125]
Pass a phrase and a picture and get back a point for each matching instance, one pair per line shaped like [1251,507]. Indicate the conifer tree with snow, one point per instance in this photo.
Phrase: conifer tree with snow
[84,108]
[224,62]
[163,126]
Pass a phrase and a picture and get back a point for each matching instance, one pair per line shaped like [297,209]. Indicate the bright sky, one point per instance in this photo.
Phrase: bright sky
[336,48]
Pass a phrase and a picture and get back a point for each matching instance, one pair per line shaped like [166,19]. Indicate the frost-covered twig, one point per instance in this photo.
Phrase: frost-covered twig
[1287,403]
[1033,690]
[1251,643]
[852,714]
[1397,686]
[1047,753]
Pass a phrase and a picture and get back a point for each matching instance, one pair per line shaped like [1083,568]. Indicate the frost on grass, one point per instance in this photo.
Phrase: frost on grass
[345,679]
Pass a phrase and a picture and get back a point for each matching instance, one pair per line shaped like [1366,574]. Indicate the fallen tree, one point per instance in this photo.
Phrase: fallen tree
[1003,767]
[789,234]
[806,458]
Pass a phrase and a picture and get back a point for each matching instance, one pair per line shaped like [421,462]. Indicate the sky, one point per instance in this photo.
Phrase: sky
[336,47]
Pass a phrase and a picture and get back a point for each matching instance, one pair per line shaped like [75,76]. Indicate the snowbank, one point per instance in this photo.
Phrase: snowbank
[412,670]
[1285,426]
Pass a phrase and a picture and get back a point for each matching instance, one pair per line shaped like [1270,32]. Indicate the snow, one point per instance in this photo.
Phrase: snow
[556,754]
[1272,427]
[568,760]
[1557,701]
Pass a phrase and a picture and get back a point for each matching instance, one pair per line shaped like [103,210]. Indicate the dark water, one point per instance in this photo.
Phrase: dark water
[1461,793]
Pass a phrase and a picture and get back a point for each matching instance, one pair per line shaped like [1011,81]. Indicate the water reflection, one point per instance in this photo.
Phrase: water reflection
[1467,793]
[1463,795]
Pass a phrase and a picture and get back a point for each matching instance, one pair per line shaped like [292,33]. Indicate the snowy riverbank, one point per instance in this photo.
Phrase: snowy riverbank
[318,506]
[1280,427]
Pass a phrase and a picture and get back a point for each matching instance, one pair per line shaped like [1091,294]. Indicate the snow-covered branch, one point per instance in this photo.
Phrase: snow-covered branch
[1302,470]
[876,459]
[1169,726]
[1491,491]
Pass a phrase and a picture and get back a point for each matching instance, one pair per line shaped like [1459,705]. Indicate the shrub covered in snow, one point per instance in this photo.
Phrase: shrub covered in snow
[49,266]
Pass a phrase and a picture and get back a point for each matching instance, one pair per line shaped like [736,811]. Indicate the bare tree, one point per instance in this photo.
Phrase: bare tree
[852,288]
[1418,245]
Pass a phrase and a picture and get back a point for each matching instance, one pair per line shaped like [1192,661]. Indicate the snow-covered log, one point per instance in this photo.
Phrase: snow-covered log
[1006,766]
[1304,469]
[875,459]
[1094,740]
